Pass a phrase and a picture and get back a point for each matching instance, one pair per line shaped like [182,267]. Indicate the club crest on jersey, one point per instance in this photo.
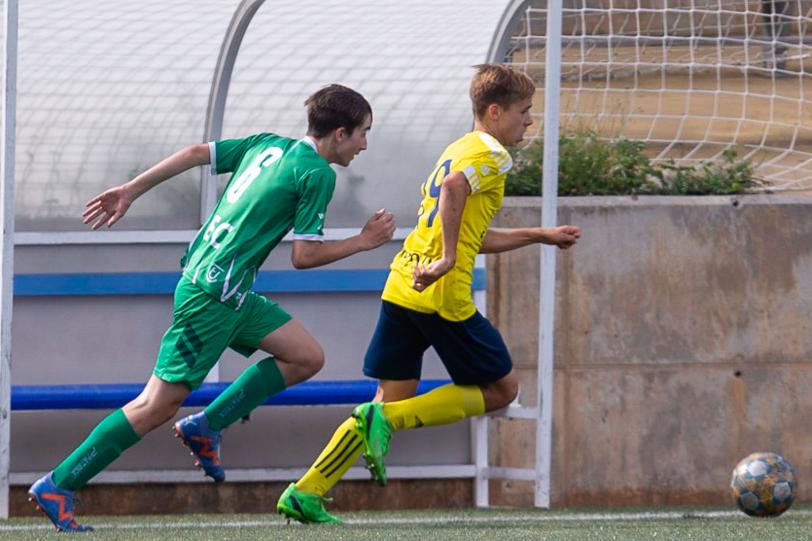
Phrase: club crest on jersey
[214,273]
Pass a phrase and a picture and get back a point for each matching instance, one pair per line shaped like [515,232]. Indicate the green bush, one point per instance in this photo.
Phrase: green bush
[592,166]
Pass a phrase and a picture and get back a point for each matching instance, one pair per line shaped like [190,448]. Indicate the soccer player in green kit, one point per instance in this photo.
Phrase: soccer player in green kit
[277,185]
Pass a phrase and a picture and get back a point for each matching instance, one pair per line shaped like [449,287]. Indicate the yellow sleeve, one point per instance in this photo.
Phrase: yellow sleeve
[484,170]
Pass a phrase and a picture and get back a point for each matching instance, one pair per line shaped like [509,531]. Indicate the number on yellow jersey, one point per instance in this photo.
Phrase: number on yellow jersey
[432,187]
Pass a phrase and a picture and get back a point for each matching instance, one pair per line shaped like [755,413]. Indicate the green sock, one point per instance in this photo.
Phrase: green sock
[105,443]
[251,389]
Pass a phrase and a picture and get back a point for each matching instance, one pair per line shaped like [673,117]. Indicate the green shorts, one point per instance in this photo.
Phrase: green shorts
[203,327]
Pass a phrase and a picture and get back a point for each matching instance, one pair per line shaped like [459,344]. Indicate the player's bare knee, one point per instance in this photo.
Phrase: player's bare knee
[317,362]
[500,394]
[312,362]
[503,398]
[511,390]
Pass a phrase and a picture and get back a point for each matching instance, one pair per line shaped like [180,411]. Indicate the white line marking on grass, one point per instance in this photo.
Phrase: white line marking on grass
[427,521]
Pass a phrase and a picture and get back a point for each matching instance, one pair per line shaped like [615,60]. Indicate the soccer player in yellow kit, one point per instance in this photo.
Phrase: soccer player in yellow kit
[427,299]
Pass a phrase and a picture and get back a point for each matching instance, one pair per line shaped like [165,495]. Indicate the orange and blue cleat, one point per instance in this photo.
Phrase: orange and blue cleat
[204,443]
[58,504]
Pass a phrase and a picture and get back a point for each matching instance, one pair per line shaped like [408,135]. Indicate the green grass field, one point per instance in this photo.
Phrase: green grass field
[711,524]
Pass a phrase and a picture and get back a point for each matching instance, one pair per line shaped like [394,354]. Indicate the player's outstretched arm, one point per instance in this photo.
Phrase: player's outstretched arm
[453,196]
[503,240]
[111,205]
[377,231]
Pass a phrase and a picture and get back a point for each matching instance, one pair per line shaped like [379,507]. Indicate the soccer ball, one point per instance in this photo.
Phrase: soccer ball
[763,485]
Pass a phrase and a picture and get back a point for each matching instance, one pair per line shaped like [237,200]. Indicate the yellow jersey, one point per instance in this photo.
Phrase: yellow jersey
[485,164]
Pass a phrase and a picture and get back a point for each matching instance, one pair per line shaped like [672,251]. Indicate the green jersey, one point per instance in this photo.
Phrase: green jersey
[278,184]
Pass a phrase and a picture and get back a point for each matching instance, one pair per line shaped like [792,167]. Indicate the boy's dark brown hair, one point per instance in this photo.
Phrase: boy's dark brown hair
[495,83]
[335,106]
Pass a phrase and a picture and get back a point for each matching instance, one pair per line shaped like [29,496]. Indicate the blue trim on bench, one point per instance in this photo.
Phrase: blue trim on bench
[163,283]
[115,395]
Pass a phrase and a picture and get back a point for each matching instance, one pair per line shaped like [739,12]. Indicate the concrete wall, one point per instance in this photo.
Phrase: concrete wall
[682,344]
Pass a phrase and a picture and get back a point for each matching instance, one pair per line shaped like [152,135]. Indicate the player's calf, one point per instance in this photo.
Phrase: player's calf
[500,393]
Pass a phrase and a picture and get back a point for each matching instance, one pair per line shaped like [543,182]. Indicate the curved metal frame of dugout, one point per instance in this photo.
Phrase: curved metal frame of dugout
[244,14]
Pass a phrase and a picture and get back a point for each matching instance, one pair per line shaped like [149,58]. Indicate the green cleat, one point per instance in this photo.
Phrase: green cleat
[376,432]
[305,507]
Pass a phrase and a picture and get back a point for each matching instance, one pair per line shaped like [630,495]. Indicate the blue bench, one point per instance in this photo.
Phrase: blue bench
[163,283]
[115,395]
[310,393]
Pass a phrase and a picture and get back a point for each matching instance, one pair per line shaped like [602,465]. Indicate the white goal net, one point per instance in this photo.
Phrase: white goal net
[690,78]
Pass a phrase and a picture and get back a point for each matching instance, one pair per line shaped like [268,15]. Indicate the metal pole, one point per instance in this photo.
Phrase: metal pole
[549,218]
[219,93]
[9,109]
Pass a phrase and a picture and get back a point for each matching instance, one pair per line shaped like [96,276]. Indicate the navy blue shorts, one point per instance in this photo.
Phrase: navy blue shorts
[472,350]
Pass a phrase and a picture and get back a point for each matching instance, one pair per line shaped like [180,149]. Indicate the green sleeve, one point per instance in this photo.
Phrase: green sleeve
[227,154]
[315,191]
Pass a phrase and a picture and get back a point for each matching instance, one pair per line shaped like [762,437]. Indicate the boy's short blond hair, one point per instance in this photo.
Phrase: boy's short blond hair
[495,83]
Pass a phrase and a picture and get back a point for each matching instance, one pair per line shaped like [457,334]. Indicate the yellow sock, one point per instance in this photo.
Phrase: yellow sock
[343,450]
[442,406]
